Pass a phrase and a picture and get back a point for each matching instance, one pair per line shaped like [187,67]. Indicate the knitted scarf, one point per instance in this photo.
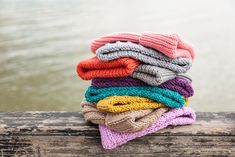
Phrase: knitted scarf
[94,68]
[152,75]
[111,139]
[170,45]
[182,85]
[164,96]
[118,104]
[130,121]
[117,50]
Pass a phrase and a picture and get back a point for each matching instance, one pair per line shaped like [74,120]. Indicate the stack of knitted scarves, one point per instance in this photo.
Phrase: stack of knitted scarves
[139,85]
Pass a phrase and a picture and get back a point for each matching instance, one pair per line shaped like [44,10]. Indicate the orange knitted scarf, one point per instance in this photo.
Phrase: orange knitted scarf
[95,68]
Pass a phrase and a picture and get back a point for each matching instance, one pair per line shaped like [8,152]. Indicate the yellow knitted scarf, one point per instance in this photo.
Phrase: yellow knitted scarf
[127,103]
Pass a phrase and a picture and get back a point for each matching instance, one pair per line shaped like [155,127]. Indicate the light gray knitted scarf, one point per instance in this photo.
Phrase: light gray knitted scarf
[119,49]
[154,75]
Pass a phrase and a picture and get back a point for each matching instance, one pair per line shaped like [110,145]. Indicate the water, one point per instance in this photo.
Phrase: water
[41,42]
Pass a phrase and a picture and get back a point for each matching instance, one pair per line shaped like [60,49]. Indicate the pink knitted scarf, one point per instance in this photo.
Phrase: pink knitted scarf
[172,45]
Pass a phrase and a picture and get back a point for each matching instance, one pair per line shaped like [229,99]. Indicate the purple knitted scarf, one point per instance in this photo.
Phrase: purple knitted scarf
[179,84]
[183,116]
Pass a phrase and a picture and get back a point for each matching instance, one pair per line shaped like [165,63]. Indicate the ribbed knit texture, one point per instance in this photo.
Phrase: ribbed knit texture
[130,121]
[164,96]
[170,45]
[153,75]
[118,104]
[95,68]
[181,85]
[111,139]
[117,50]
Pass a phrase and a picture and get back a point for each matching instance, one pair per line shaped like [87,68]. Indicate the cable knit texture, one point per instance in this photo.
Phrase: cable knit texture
[117,50]
[127,103]
[164,96]
[111,139]
[130,121]
[182,85]
[170,45]
[95,68]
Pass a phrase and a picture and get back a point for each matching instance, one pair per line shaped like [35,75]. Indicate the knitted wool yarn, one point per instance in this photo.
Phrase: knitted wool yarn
[182,85]
[153,75]
[118,104]
[116,82]
[130,121]
[170,45]
[117,50]
[111,139]
[164,96]
[126,103]
[94,68]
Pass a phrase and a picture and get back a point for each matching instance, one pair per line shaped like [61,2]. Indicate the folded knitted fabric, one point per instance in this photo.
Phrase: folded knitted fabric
[117,50]
[182,85]
[154,75]
[94,68]
[118,104]
[126,103]
[170,45]
[164,96]
[130,121]
[111,139]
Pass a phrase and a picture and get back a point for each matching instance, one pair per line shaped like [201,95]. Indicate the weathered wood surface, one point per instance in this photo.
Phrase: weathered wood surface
[66,134]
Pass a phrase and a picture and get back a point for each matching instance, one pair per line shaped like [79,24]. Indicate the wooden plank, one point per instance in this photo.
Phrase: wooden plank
[67,134]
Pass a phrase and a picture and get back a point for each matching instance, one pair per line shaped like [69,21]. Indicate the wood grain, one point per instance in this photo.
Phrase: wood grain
[67,134]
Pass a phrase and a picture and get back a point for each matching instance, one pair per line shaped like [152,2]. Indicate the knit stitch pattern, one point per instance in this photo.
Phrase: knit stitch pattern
[118,104]
[95,68]
[117,50]
[181,85]
[170,45]
[153,75]
[130,121]
[164,96]
[111,139]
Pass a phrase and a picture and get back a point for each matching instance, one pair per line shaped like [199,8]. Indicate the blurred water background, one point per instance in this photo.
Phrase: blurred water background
[41,41]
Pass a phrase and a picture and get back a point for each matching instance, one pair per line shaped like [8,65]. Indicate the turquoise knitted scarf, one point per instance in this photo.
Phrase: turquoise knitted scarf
[167,97]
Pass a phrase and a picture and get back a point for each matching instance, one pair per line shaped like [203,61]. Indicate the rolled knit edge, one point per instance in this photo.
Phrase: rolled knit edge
[153,75]
[95,68]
